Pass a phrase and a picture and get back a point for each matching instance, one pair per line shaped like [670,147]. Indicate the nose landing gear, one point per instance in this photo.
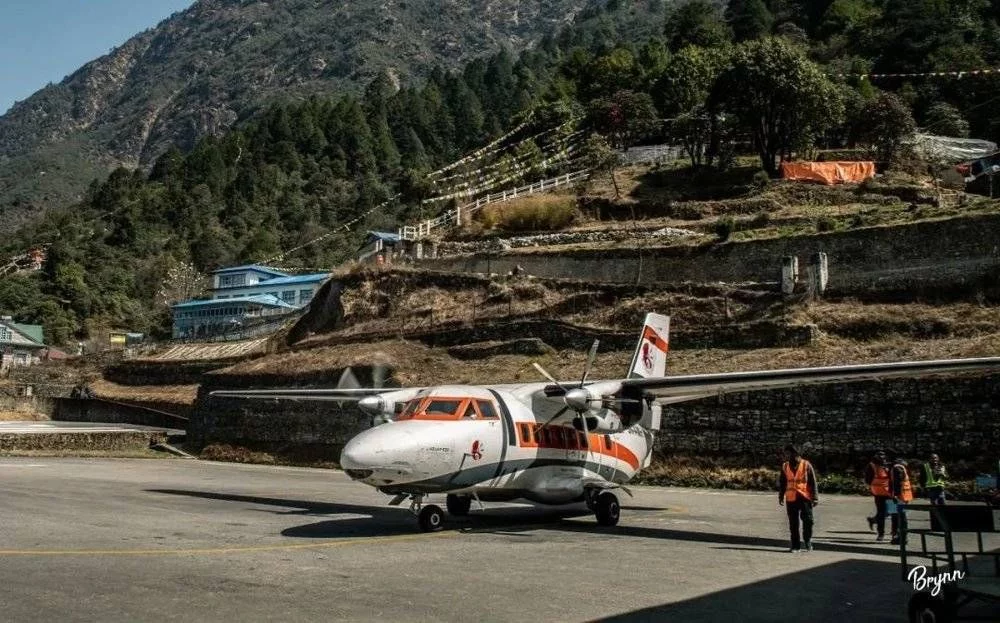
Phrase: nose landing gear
[430,518]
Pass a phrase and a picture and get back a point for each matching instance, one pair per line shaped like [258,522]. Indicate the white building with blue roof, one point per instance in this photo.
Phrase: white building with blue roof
[243,296]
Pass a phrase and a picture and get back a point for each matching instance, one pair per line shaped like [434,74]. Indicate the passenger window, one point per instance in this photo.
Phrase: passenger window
[526,433]
[487,410]
[607,442]
[581,440]
[543,438]
[570,439]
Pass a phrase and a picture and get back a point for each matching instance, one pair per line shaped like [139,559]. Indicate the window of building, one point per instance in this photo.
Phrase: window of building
[288,296]
[5,334]
[232,281]
[305,296]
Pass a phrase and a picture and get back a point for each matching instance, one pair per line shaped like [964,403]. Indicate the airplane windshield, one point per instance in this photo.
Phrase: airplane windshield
[442,407]
[434,408]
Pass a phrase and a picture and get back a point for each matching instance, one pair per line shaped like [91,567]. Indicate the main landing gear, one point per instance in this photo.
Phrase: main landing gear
[605,505]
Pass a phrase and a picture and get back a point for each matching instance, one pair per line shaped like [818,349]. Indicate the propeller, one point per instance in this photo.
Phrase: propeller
[576,398]
[374,405]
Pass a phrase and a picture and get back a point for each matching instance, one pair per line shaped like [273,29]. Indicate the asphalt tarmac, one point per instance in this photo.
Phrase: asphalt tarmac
[181,540]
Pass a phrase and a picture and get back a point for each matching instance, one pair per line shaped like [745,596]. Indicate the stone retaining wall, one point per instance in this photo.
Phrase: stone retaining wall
[956,255]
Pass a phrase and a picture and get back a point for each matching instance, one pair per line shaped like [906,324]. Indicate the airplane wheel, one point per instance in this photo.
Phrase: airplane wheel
[608,510]
[458,505]
[431,518]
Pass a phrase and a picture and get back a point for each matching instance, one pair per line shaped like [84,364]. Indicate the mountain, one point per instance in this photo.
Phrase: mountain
[203,69]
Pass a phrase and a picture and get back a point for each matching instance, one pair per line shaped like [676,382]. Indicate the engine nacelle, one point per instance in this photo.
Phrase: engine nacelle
[603,422]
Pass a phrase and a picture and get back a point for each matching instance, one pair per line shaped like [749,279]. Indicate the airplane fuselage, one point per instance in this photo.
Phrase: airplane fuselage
[511,452]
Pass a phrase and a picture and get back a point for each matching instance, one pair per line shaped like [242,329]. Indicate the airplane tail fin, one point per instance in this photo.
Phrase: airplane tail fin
[650,358]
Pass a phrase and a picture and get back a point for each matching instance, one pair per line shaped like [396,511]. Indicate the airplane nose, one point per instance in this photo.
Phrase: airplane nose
[357,460]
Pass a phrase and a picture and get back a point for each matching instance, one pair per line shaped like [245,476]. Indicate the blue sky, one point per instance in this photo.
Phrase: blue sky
[44,41]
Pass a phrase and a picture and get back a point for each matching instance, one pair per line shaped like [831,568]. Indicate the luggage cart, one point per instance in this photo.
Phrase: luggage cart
[960,545]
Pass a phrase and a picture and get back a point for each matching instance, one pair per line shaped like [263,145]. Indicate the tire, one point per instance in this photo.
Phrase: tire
[458,505]
[927,609]
[431,518]
[608,509]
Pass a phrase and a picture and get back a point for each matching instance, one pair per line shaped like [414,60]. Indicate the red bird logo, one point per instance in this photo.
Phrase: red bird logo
[477,450]
[647,356]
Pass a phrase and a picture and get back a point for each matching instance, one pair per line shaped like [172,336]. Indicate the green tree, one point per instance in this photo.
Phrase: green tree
[696,22]
[601,158]
[624,118]
[780,98]
[687,79]
[749,19]
[944,119]
[886,125]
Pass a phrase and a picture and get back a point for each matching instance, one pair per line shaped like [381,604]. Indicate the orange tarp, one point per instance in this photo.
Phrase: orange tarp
[828,172]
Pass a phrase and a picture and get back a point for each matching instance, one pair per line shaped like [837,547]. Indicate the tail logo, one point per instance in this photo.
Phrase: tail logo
[647,356]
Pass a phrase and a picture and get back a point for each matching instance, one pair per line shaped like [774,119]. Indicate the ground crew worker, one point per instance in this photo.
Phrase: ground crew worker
[798,494]
[932,478]
[902,494]
[877,479]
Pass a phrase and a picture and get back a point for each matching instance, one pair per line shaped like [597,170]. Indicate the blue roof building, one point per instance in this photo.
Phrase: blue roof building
[242,296]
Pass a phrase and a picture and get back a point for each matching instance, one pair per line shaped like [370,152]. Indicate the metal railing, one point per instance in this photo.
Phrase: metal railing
[454,217]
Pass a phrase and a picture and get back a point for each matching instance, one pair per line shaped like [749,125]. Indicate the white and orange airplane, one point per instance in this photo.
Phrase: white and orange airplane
[550,443]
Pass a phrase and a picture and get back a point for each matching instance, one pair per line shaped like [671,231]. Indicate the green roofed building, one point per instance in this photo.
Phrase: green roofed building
[20,344]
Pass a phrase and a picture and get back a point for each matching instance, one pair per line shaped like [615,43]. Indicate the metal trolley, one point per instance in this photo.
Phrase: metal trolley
[950,555]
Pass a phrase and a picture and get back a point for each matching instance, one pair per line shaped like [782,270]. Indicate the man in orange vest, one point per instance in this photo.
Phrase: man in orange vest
[877,479]
[902,494]
[797,493]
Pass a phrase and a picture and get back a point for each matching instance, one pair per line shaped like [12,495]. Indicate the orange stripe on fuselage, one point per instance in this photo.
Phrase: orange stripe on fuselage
[546,437]
[648,333]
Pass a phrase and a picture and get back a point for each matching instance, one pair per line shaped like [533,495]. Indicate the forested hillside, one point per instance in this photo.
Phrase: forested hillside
[778,77]
[222,61]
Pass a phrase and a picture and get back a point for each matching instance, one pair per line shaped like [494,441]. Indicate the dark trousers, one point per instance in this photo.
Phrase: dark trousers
[880,513]
[936,495]
[800,509]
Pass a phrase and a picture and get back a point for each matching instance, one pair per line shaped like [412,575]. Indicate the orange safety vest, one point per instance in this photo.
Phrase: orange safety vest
[880,483]
[905,492]
[797,483]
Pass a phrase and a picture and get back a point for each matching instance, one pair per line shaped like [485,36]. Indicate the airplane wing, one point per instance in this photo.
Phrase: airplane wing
[340,395]
[671,389]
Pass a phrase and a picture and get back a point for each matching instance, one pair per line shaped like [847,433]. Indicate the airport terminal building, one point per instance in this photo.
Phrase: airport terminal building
[243,296]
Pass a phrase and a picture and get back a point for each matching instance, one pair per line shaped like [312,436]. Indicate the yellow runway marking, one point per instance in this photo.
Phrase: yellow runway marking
[223,550]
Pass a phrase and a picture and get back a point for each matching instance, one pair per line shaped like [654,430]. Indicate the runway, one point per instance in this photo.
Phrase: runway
[173,540]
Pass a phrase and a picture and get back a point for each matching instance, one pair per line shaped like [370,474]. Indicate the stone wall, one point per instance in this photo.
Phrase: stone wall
[938,258]
[566,335]
[840,425]
[274,425]
[112,412]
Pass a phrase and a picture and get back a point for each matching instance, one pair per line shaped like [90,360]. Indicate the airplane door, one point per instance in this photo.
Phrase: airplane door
[607,456]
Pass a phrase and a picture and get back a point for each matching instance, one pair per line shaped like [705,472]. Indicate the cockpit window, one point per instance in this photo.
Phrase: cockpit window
[442,407]
[410,409]
[486,408]
[470,411]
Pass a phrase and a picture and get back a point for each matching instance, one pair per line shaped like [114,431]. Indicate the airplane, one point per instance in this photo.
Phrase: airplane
[552,442]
